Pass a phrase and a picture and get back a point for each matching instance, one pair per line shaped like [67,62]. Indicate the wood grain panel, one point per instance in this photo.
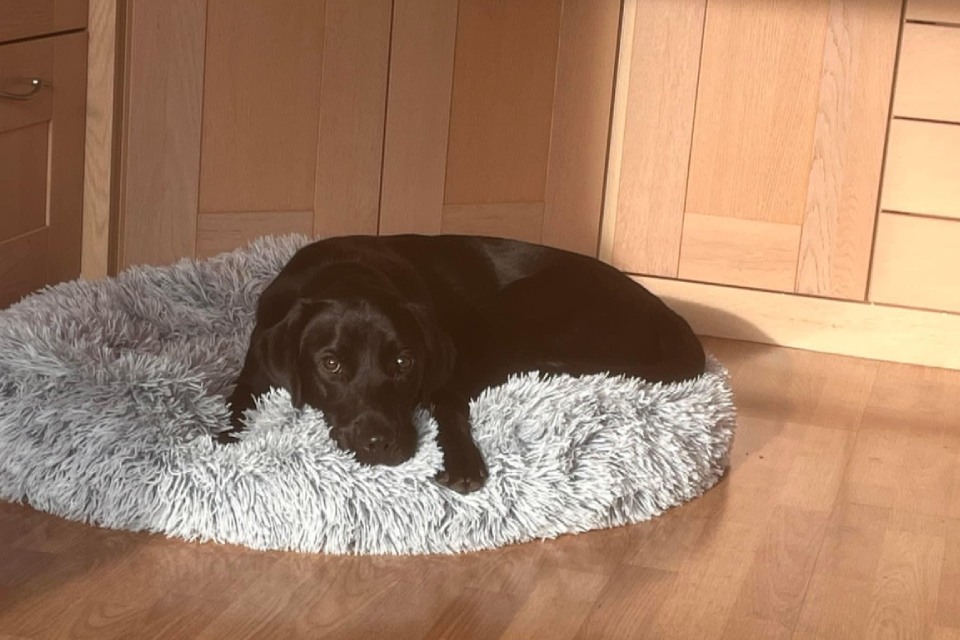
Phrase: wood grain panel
[219,232]
[579,135]
[66,157]
[23,180]
[659,102]
[160,154]
[947,11]
[23,266]
[756,109]
[98,141]
[261,105]
[844,176]
[557,607]
[742,252]
[916,262]
[502,101]
[618,120]
[928,76]
[31,18]
[353,92]
[816,324]
[418,116]
[20,62]
[922,173]
[905,590]
[517,220]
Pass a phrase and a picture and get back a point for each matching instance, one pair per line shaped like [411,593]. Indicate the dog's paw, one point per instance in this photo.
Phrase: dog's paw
[463,470]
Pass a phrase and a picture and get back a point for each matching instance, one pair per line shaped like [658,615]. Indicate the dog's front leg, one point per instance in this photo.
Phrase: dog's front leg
[463,468]
[249,385]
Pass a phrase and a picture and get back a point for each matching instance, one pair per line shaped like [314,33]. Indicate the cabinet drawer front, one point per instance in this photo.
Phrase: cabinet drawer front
[928,78]
[32,18]
[947,11]
[923,169]
[41,163]
[20,63]
[916,262]
[24,137]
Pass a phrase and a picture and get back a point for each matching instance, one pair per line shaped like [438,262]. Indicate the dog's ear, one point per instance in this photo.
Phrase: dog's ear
[440,356]
[278,348]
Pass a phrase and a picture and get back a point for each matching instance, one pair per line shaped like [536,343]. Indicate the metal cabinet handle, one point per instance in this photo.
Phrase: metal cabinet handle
[36,84]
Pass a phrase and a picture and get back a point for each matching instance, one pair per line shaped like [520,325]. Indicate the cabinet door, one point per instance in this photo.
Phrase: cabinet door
[247,119]
[41,162]
[773,140]
[497,119]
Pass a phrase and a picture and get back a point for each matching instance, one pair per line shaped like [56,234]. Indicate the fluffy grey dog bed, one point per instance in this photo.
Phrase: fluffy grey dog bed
[109,392]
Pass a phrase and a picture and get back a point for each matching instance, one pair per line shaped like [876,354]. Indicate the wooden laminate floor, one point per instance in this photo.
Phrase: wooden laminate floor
[840,518]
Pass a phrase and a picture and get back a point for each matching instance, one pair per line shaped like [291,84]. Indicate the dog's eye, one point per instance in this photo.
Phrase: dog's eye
[331,364]
[404,362]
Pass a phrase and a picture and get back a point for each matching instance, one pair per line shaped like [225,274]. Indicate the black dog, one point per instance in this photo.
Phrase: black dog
[367,329]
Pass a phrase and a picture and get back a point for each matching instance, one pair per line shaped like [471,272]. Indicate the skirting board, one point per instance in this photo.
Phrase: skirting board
[856,329]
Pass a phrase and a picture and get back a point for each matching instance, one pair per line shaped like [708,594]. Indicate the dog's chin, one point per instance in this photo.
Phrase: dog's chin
[391,458]
[386,458]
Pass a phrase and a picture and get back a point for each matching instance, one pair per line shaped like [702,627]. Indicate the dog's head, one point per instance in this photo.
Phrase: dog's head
[366,361]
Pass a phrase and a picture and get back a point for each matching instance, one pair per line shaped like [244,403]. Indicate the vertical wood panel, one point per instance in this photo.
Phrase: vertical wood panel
[261,105]
[353,103]
[657,133]
[856,83]
[756,109]
[502,101]
[618,120]
[98,142]
[418,115]
[66,156]
[581,123]
[161,142]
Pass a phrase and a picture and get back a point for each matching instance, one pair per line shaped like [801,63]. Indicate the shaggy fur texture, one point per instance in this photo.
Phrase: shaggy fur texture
[109,392]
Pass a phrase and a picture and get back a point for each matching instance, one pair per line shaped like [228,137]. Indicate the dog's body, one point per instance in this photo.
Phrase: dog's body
[368,328]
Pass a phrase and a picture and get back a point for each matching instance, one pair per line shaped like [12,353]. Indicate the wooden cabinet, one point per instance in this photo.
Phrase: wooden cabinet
[730,153]
[772,118]
[917,250]
[497,119]
[338,117]
[42,89]
[749,144]
[244,121]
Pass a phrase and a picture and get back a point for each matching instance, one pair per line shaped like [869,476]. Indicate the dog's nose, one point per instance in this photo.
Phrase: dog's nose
[374,440]
[374,444]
